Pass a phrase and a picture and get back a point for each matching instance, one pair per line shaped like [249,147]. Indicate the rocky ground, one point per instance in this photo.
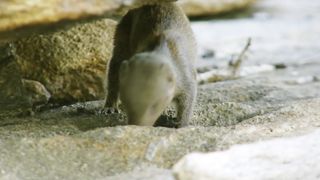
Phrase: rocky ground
[275,102]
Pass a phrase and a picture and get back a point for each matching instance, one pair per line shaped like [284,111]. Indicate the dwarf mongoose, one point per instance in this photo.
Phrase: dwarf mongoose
[153,64]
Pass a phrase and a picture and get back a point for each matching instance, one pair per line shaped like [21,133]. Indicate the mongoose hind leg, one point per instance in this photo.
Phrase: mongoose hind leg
[185,103]
[121,53]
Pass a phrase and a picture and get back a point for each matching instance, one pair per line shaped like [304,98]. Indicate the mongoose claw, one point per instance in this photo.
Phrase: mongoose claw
[108,111]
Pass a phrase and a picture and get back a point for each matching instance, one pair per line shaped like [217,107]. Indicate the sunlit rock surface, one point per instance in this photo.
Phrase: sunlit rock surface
[24,17]
[195,7]
[213,7]
[287,158]
[67,143]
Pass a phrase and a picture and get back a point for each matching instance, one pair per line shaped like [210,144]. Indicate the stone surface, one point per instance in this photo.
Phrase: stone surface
[70,63]
[68,145]
[287,158]
[24,17]
[145,174]
[12,91]
[29,17]
[194,7]
[36,91]
[213,7]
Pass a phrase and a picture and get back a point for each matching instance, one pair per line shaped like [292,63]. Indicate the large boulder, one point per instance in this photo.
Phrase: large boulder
[24,17]
[69,63]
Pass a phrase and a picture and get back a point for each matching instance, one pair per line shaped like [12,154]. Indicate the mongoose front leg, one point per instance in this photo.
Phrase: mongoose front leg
[185,103]
[111,103]
[120,54]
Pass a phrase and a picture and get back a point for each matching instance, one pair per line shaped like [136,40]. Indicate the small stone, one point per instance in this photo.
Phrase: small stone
[36,91]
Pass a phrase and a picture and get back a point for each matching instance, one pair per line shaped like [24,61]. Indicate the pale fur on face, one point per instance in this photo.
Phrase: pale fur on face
[147,86]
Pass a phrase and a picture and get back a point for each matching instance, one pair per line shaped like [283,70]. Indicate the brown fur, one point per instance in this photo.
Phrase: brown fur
[153,64]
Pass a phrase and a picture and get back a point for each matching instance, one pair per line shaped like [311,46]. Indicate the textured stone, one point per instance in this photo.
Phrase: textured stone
[98,153]
[12,91]
[64,147]
[193,7]
[25,17]
[69,63]
[36,91]
[286,158]
[144,174]
[213,7]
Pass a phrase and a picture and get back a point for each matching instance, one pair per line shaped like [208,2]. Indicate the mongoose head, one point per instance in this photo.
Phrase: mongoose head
[147,86]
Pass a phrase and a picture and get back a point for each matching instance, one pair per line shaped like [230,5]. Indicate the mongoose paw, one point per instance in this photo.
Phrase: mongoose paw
[108,111]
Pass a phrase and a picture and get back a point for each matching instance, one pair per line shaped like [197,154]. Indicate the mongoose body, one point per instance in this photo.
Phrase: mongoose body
[153,64]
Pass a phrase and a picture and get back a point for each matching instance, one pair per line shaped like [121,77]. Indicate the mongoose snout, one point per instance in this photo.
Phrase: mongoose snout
[147,87]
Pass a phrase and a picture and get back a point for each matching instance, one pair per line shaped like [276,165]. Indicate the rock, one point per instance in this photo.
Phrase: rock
[286,158]
[36,91]
[212,7]
[22,18]
[12,91]
[144,174]
[193,7]
[26,17]
[66,144]
[63,145]
[63,148]
[69,63]
[97,154]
